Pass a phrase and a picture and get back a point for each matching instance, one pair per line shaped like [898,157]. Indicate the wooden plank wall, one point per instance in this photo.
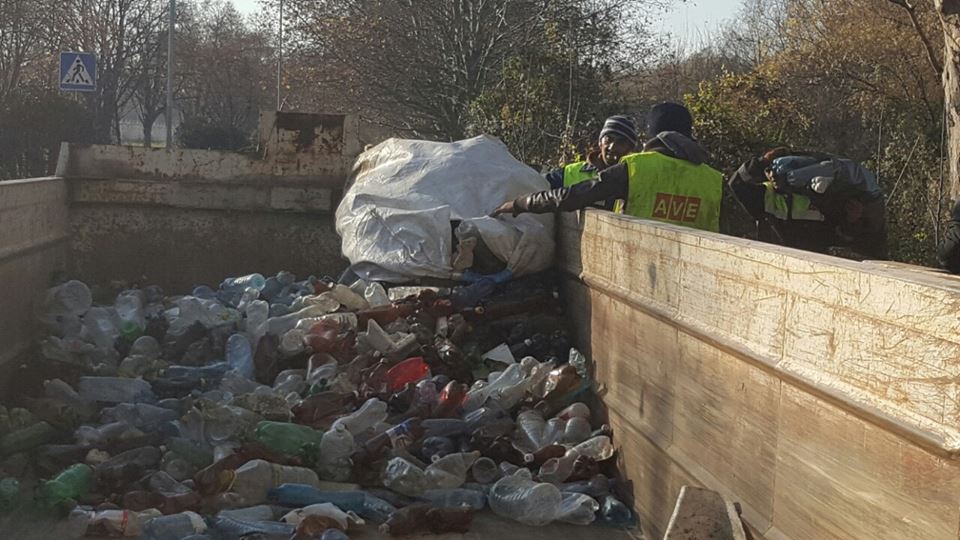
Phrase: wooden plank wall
[819,393]
[33,245]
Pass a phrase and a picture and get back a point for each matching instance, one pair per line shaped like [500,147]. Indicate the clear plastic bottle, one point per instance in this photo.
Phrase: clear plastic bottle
[349,299]
[530,428]
[336,447]
[519,498]
[512,376]
[115,390]
[101,326]
[376,295]
[64,393]
[485,470]
[327,510]
[321,368]
[124,522]
[256,281]
[576,431]
[257,312]
[240,355]
[405,477]
[139,415]
[255,478]
[162,482]
[226,422]
[577,508]
[101,436]
[359,502]
[372,412]
[615,513]
[578,409]
[228,527]
[598,448]
[262,512]
[450,471]
[174,527]
[130,312]
[455,498]
[326,300]
[70,298]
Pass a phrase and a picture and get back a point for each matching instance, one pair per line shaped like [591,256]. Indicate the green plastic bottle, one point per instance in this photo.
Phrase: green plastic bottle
[286,438]
[73,482]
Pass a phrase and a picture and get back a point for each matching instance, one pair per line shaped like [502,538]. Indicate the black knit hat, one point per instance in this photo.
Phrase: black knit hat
[622,127]
[669,116]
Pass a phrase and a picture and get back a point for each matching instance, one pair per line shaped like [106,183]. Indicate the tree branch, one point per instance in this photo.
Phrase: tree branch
[927,44]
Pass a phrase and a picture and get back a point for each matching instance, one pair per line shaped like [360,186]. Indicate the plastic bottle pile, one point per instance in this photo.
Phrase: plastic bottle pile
[279,408]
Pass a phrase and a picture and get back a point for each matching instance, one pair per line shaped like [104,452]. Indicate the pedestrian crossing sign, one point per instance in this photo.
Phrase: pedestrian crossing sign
[78,71]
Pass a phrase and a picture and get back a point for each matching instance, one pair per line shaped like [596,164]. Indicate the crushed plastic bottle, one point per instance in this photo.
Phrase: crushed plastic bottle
[174,527]
[327,510]
[255,478]
[361,503]
[124,522]
[455,498]
[519,498]
[240,355]
[372,412]
[115,390]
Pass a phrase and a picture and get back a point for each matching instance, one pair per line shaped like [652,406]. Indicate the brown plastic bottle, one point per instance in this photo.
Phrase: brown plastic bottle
[584,468]
[319,410]
[547,452]
[499,449]
[399,437]
[425,518]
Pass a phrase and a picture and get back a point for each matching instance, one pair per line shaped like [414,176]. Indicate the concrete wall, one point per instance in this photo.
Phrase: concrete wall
[821,394]
[185,217]
[33,248]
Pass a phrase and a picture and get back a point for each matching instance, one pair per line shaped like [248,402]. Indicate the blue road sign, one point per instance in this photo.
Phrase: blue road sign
[78,71]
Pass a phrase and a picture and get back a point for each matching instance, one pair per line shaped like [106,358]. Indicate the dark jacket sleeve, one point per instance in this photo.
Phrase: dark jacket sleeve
[610,184]
[555,178]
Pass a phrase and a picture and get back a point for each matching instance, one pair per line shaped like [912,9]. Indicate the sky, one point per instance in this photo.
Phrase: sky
[687,21]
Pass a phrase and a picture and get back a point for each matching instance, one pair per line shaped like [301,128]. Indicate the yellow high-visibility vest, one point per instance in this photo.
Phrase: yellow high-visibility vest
[674,191]
[574,173]
[794,206]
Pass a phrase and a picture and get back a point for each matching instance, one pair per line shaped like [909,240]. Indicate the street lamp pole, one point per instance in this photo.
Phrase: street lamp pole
[279,54]
[168,112]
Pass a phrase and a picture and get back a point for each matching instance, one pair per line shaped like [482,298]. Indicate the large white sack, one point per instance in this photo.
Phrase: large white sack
[395,216]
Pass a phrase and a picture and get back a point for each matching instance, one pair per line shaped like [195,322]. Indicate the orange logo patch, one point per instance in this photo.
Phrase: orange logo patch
[676,207]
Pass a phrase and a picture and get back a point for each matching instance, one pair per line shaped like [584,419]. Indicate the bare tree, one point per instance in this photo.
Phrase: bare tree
[117,31]
[24,31]
[419,64]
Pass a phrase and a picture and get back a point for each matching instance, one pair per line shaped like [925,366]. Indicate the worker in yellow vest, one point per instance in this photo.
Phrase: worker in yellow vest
[667,181]
[618,138]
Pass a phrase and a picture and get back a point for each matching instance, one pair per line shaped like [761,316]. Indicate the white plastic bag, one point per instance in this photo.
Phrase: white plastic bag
[395,217]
